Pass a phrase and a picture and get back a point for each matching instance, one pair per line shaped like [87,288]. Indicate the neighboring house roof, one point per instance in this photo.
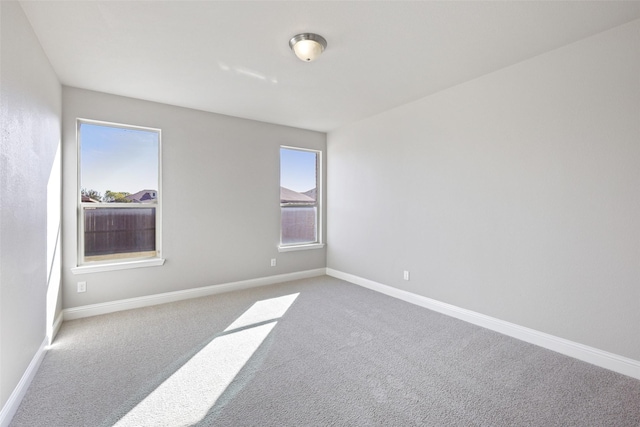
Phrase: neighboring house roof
[87,199]
[290,196]
[311,193]
[143,196]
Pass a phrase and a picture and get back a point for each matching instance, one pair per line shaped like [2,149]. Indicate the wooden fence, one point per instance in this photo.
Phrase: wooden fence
[298,224]
[119,230]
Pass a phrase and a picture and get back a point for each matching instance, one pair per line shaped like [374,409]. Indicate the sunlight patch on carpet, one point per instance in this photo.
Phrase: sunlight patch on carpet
[186,396]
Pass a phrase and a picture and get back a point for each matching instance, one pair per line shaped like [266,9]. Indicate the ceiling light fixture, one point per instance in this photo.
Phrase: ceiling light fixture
[307,46]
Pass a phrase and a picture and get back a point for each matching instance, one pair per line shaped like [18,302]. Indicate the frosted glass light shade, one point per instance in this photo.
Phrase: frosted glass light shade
[308,46]
[307,50]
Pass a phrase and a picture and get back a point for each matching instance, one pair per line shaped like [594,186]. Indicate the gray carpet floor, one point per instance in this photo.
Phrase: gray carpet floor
[312,352]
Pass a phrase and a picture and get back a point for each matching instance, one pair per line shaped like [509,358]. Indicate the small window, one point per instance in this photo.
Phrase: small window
[119,192]
[299,196]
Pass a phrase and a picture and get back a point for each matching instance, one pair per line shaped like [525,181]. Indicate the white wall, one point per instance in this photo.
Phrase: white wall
[221,211]
[29,195]
[515,195]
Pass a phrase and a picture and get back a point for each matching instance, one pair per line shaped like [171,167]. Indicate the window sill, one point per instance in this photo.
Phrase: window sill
[300,247]
[123,265]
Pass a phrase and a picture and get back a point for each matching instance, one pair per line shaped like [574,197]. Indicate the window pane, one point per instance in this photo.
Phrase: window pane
[299,224]
[298,171]
[118,162]
[298,196]
[108,231]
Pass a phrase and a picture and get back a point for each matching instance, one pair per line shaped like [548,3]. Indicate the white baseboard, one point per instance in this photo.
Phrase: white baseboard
[578,351]
[10,408]
[146,301]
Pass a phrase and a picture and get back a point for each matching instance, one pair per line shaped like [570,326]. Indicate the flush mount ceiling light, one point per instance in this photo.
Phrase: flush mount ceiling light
[307,46]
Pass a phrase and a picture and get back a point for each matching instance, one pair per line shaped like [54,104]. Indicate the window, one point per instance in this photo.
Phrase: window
[299,197]
[118,193]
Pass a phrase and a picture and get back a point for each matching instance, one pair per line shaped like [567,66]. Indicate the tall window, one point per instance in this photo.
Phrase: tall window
[299,194]
[119,192]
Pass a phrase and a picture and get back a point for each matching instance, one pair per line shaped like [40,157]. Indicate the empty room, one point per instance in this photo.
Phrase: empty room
[309,213]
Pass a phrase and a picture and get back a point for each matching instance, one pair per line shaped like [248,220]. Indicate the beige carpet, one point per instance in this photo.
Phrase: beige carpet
[313,352]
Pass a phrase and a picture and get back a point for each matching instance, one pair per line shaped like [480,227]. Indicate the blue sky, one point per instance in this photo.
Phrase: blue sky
[297,169]
[118,159]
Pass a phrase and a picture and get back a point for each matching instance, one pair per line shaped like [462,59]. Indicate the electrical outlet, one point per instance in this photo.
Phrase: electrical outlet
[273,262]
[406,275]
[82,286]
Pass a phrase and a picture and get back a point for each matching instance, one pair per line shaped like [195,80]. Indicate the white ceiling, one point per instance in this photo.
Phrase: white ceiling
[233,57]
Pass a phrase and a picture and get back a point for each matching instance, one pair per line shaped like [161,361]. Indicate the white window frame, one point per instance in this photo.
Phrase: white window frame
[83,266]
[319,205]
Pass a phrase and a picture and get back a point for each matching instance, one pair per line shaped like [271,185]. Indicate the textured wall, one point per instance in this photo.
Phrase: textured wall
[29,194]
[514,195]
[221,208]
